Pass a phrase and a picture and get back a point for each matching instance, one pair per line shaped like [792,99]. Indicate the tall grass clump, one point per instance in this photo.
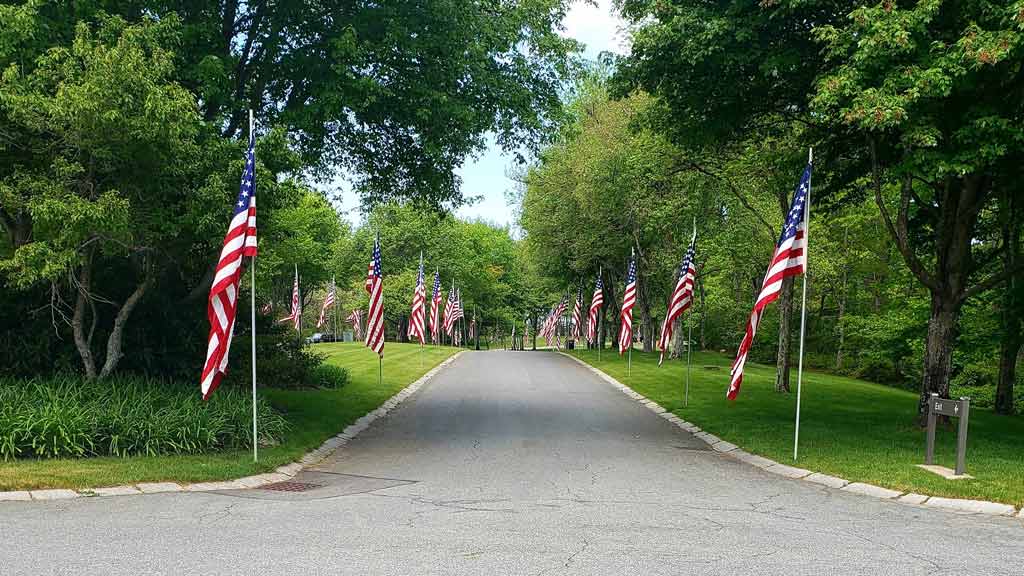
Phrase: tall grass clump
[62,416]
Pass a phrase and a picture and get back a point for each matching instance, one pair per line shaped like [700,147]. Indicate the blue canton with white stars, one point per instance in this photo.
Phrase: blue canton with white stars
[248,188]
[437,284]
[631,277]
[376,257]
[795,216]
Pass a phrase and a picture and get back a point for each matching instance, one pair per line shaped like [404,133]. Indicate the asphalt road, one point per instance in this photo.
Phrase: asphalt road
[512,463]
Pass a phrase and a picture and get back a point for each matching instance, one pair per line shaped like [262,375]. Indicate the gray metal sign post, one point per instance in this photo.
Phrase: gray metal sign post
[957,409]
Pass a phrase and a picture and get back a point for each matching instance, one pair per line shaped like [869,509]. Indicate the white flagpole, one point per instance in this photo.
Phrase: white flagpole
[689,324]
[629,354]
[803,306]
[252,313]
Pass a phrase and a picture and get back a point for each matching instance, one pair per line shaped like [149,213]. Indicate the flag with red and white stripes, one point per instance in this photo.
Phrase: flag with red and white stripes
[681,297]
[356,319]
[328,303]
[375,316]
[577,315]
[419,297]
[628,301]
[595,306]
[296,314]
[551,325]
[789,259]
[435,302]
[449,311]
[222,303]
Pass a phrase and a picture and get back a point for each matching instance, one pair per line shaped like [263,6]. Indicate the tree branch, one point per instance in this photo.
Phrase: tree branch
[899,230]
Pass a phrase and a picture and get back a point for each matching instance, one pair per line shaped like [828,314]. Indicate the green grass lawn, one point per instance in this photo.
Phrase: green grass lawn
[857,430]
[314,416]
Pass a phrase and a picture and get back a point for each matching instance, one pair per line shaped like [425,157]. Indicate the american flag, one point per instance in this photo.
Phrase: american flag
[296,314]
[789,259]
[448,304]
[628,301]
[419,297]
[681,297]
[472,328]
[375,316]
[222,304]
[328,302]
[545,328]
[435,301]
[577,315]
[551,326]
[356,318]
[458,312]
[595,306]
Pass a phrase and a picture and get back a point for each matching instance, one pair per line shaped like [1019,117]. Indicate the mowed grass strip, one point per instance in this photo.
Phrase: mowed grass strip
[314,416]
[857,430]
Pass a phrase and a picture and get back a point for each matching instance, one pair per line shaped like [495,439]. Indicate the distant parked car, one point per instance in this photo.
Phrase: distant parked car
[316,338]
[328,337]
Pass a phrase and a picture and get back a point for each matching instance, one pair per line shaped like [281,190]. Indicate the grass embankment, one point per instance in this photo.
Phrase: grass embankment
[313,416]
[857,430]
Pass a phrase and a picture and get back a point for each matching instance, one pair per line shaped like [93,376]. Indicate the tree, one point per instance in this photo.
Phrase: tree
[926,87]
[104,166]
[396,94]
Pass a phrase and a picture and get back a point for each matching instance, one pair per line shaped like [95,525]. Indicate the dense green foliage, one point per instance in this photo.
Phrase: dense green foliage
[616,181]
[312,417]
[915,116]
[127,416]
[121,136]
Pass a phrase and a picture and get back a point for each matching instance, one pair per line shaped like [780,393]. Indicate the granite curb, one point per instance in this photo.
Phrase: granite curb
[729,449]
[280,474]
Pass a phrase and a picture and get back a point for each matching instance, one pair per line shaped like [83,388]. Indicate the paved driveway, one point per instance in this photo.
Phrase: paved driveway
[512,463]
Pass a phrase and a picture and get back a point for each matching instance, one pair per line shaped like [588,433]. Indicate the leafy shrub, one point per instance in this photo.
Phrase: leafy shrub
[126,416]
[330,376]
[283,359]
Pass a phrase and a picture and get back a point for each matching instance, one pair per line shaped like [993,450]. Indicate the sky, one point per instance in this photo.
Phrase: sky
[599,28]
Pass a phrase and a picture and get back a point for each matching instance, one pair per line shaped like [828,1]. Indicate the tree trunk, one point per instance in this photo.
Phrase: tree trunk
[115,339]
[839,322]
[82,342]
[1013,302]
[782,359]
[938,355]
[678,338]
[1008,353]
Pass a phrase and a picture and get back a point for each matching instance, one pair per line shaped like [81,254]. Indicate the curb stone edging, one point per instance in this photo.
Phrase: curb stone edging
[729,449]
[280,474]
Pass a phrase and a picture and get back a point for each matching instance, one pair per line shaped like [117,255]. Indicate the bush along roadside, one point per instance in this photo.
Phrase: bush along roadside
[63,416]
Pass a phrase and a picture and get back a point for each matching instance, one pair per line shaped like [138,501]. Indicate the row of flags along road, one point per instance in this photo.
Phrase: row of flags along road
[788,259]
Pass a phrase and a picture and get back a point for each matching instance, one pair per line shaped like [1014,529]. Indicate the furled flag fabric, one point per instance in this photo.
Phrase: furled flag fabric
[221,305]
[375,316]
[628,301]
[328,303]
[449,305]
[454,311]
[356,318]
[551,326]
[545,328]
[419,297]
[681,297]
[577,315]
[296,314]
[595,307]
[789,259]
[435,301]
